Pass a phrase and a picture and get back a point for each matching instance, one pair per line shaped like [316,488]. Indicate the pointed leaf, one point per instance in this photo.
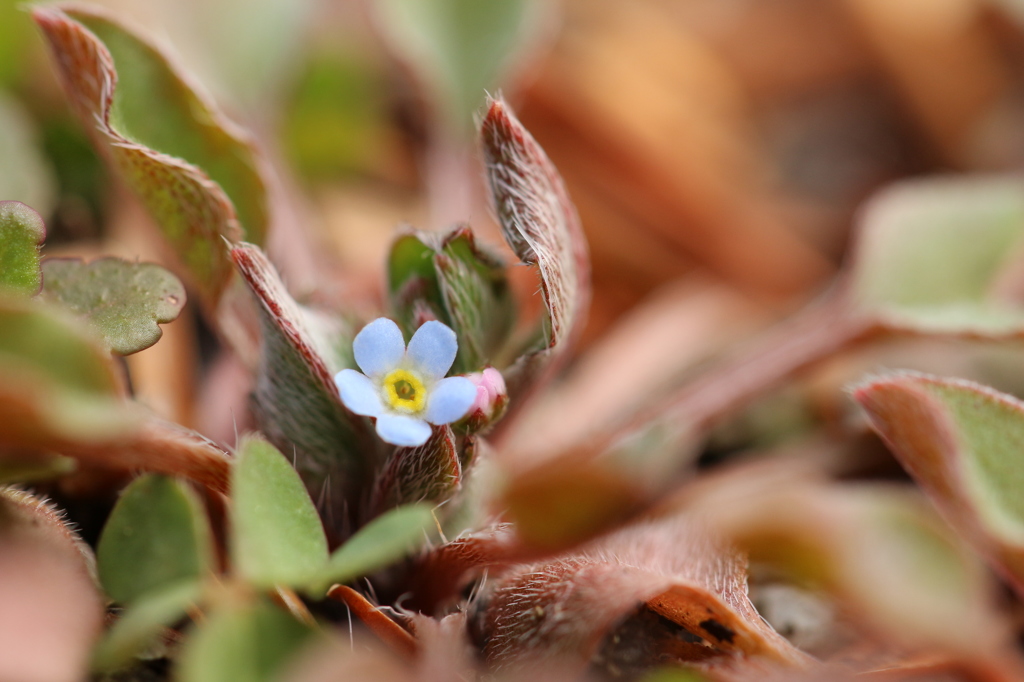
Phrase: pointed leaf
[961,442]
[157,536]
[378,544]
[52,610]
[125,302]
[458,48]
[296,401]
[277,536]
[936,255]
[142,622]
[21,233]
[242,644]
[192,168]
[541,225]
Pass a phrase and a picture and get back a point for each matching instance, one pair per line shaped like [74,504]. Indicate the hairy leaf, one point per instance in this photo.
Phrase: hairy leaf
[379,543]
[249,643]
[657,591]
[192,168]
[430,472]
[21,233]
[457,282]
[296,401]
[541,225]
[961,442]
[125,302]
[277,536]
[157,536]
[458,48]
[943,255]
[52,610]
[142,622]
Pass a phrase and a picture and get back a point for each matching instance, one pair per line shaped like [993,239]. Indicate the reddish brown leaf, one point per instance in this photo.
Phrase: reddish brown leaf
[390,632]
[431,472]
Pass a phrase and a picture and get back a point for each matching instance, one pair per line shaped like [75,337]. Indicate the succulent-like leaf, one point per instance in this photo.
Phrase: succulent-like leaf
[943,255]
[430,472]
[142,622]
[125,302]
[541,225]
[157,536]
[277,537]
[183,158]
[21,233]
[667,580]
[250,643]
[378,544]
[458,48]
[52,609]
[297,403]
[961,442]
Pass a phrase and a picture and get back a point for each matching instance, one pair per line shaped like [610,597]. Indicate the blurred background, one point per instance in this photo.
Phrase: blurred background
[717,150]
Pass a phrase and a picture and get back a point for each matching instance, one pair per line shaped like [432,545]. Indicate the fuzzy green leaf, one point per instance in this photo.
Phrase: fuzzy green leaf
[157,536]
[458,48]
[962,442]
[939,255]
[540,223]
[242,644]
[21,233]
[277,537]
[459,283]
[142,622]
[378,544]
[296,402]
[196,173]
[125,302]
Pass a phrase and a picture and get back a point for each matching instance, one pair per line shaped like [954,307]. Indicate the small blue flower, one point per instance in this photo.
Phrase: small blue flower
[404,388]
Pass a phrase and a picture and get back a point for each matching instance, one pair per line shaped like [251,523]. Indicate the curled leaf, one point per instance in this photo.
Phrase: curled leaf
[297,403]
[190,166]
[430,472]
[541,225]
[125,302]
[961,442]
[21,234]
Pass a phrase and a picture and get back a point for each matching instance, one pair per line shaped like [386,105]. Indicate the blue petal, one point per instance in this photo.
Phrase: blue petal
[359,393]
[379,347]
[433,348]
[450,400]
[404,431]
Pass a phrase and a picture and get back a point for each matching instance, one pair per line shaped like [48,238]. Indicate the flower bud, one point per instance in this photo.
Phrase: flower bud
[490,402]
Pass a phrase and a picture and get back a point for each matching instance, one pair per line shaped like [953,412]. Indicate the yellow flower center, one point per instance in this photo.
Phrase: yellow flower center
[404,391]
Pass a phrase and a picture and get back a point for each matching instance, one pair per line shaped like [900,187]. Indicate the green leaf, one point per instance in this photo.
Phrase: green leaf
[377,545]
[142,622]
[18,468]
[125,302]
[195,172]
[157,536]
[56,384]
[458,48]
[297,405]
[26,174]
[939,255]
[459,283]
[277,536]
[21,233]
[242,644]
[961,442]
[540,223]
